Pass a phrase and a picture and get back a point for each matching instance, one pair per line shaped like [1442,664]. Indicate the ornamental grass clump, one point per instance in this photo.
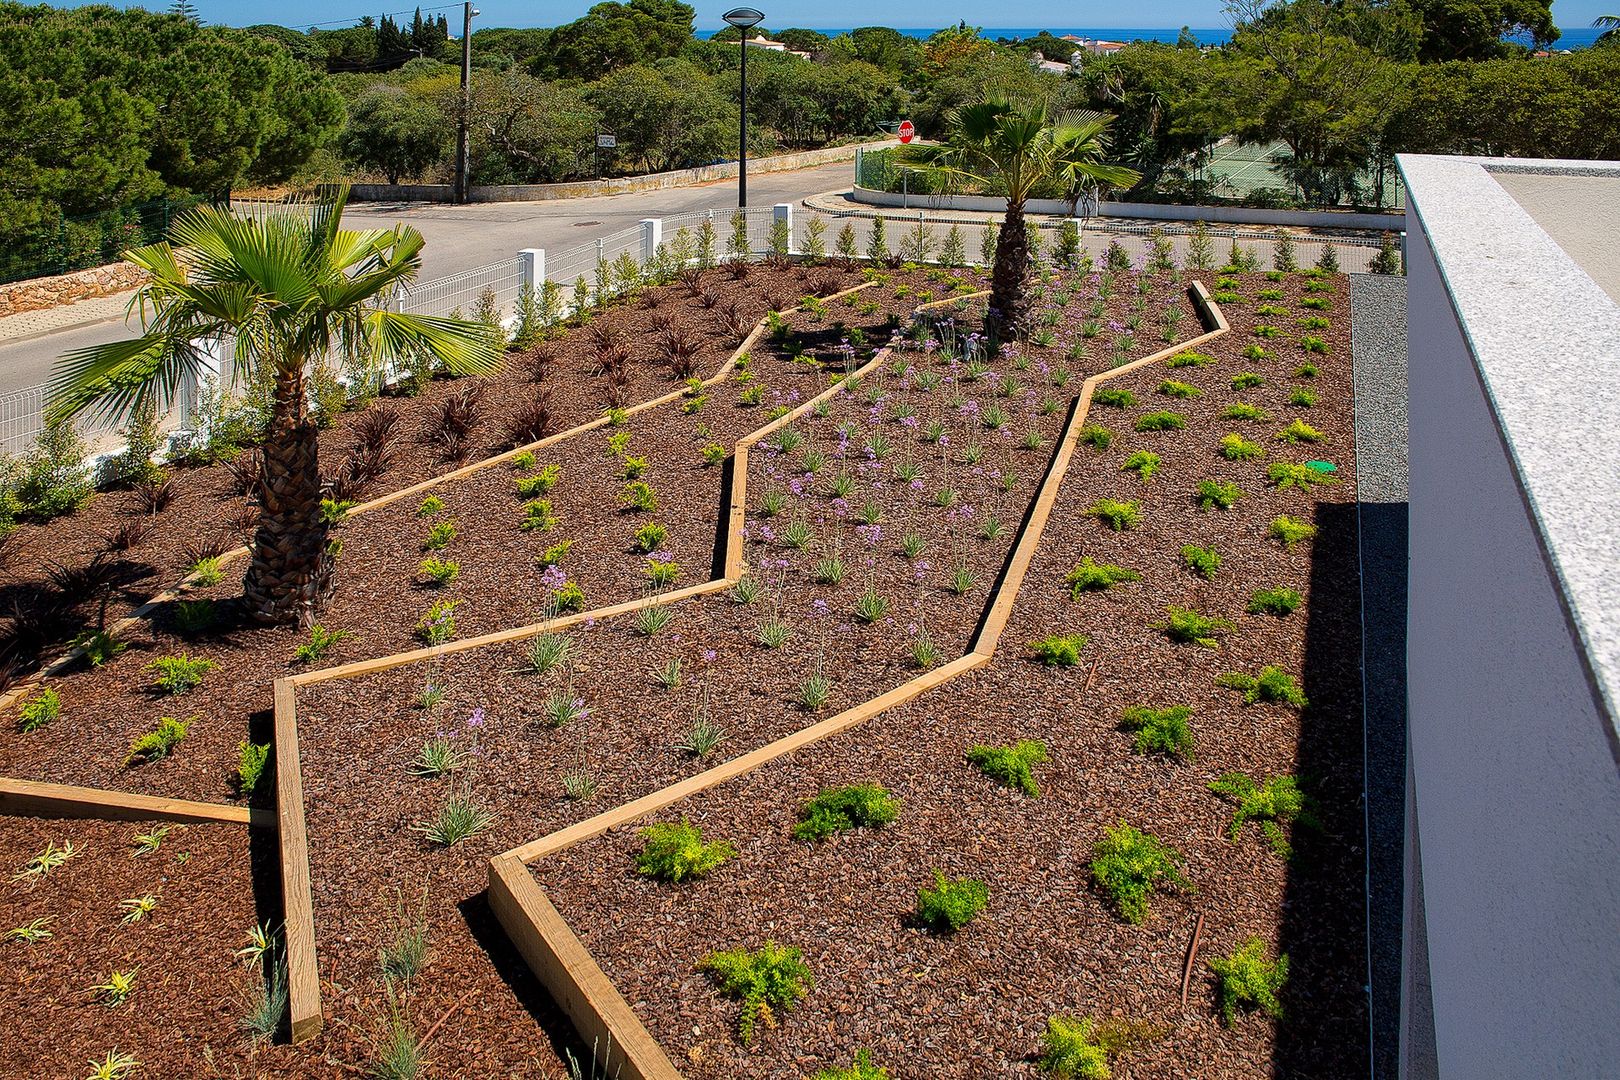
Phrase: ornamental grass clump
[1011,766]
[1091,576]
[1217,494]
[1160,421]
[840,809]
[1278,602]
[179,674]
[1119,516]
[1186,626]
[1129,865]
[1275,804]
[1249,981]
[1160,731]
[951,904]
[1273,684]
[460,818]
[1058,650]
[675,851]
[766,980]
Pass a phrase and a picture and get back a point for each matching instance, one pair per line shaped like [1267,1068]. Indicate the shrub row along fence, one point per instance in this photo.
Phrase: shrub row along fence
[537,284]
[79,243]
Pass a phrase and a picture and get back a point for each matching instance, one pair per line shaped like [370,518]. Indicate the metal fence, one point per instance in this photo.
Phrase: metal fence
[496,284]
[902,237]
[79,243]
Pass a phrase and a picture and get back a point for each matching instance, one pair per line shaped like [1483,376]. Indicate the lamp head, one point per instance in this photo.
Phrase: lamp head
[743,18]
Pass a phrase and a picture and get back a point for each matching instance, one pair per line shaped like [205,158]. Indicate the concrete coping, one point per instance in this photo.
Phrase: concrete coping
[1545,340]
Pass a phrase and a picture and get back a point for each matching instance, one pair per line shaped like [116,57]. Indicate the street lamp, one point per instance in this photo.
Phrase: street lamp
[463,157]
[743,19]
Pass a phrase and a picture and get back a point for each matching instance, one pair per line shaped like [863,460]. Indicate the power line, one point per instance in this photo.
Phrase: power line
[346,23]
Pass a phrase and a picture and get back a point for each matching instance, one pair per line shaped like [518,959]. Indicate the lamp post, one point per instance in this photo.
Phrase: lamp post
[743,19]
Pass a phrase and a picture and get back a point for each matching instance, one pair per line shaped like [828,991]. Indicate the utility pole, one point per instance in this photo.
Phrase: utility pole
[463,166]
[742,139]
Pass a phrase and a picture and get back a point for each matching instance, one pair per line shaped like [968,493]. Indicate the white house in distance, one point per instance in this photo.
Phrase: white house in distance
[1094,46]
[763,42]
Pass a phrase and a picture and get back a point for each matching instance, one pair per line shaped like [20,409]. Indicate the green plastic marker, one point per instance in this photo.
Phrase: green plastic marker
[1322,466]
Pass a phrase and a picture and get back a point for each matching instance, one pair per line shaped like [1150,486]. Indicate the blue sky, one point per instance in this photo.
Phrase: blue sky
[812,13]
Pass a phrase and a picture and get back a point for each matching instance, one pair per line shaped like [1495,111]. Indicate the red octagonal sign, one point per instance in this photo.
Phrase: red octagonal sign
[908,131]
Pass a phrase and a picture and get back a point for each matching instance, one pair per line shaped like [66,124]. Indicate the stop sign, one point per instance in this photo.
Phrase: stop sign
[908,131]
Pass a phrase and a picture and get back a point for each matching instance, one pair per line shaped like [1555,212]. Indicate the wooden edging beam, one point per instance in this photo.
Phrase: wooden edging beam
[298,910]
[33,798]
[551,948]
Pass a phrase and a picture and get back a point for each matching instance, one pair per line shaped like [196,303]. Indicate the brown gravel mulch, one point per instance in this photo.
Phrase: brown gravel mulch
[975,1005]
[190,989]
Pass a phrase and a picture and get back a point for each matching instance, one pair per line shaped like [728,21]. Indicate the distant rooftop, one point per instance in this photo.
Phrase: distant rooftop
[1530,255]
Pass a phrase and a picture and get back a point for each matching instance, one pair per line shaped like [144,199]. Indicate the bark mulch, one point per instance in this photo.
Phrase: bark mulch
[190,989]
[975,1004]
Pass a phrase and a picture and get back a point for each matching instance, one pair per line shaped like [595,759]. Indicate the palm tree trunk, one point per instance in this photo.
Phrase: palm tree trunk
[1009,305]
[290,575]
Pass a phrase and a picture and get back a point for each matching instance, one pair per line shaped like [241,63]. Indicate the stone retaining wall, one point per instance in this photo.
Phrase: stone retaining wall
[40,293]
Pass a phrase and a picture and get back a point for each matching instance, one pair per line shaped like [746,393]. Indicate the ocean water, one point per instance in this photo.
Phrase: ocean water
[1576,37]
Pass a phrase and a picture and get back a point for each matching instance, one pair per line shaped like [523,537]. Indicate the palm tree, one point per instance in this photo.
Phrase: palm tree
[1013,149]
[288,286]
[1610,25]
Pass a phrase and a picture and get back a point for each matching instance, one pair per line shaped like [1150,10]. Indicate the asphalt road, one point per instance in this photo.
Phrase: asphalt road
[462,237]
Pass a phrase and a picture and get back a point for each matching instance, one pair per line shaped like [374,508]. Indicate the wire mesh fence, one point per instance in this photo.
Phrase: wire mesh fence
[493,286]
[88,240]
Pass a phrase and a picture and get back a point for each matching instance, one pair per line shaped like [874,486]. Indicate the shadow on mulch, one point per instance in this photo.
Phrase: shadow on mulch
[515,973]
[1325,1015]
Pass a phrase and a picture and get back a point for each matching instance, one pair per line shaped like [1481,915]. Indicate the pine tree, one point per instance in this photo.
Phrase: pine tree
[877,245]
[953,252]
[186,10]
[1282,254]
[1388,259]
[1200,249]
[847,247]
[1329,259]
[1162,259]
[987,242]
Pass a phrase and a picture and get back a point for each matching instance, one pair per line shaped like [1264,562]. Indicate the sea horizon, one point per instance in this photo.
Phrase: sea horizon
[1580,37]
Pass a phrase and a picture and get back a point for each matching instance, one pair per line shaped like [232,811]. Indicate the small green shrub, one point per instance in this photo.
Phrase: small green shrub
[1188,627]
[1058,650]
[1011,766]
[553,554]
[193,617]
[1118,399]
[1143,463]
[1290,530]
[1265,330]
[1314,322]
[839,809]
[541,483]
[1090,576]
[40,710]
[1273,684]
[431,506]
[638,496]
[1160,421]
[770,978]
[1299,432]
[1074,1048]
[1284,475]
[1242,410]
[1313,344]
[250,762]
[1278,602]
[1275,804]
[1119,516]
[1302,396]
[1307,370]
[1203,561]
[1316,303]
[157,744]
[206,572]
[1189,359]
[99,646]
[951,904]
[439,572]
[1218,493]
[1160,731]
[1255,352]
[538,516]
[1235,447]
[1250,981]
[439,535]
[523,461]
[675,851]
[860,1069]
[1246,380]
[1096,436]
[178,674]
[321,641]
[438,624]
[1172,388]
[1129,865]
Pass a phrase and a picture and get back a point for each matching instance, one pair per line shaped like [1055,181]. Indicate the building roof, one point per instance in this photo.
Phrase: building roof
[1526,250]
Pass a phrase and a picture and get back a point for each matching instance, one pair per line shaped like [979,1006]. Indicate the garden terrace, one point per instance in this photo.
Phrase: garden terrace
[896,473]
[173,913]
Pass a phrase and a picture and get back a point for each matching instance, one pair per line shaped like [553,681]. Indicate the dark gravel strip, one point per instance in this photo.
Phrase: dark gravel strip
[1378,343]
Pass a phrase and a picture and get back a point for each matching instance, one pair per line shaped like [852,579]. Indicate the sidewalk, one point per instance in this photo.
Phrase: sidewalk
[32,324]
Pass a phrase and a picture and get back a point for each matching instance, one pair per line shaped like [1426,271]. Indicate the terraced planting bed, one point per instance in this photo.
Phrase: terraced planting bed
[819,563]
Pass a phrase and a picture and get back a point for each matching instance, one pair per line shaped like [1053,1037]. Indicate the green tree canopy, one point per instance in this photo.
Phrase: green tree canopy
[394,133]
[612,35]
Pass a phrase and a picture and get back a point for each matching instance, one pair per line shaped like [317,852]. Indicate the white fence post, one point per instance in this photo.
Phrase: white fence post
[652,234]
[784,212]
[532,268]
